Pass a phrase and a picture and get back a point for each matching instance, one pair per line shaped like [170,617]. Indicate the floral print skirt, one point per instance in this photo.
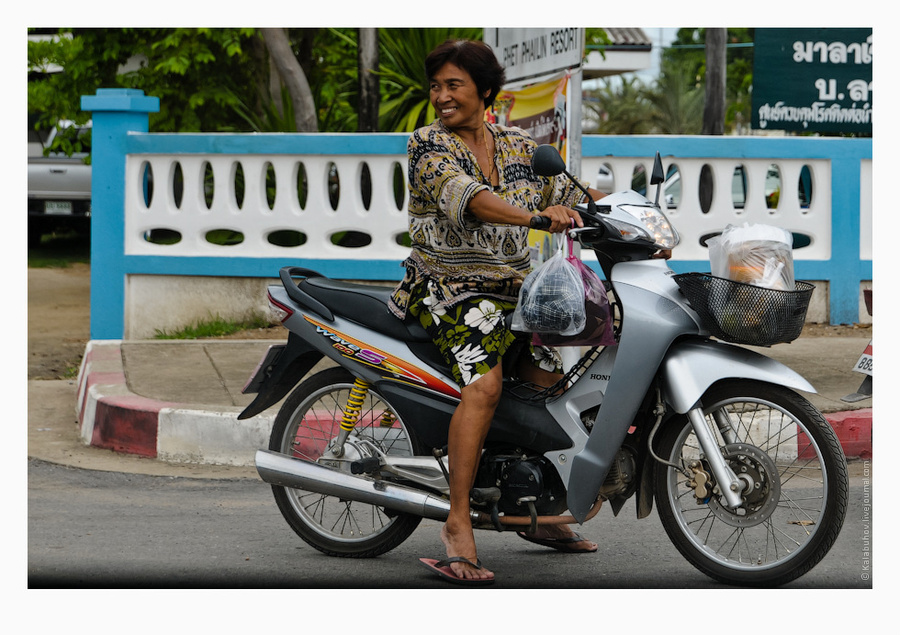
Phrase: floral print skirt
[473,335]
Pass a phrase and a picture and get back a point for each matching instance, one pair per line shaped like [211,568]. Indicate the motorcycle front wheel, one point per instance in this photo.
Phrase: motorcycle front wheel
[304,428]
[794,483]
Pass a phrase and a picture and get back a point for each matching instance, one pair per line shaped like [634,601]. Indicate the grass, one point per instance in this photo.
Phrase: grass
[59,250]
[215,326]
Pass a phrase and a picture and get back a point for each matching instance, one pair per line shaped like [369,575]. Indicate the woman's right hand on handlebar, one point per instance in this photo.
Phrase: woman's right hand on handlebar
[556,219]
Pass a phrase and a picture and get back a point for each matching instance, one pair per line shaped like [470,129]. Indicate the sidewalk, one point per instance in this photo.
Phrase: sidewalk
[170,407]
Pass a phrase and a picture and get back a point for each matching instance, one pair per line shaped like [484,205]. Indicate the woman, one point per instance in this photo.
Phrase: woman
[472,197]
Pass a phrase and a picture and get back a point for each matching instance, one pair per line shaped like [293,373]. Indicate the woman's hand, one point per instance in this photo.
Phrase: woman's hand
[561,218]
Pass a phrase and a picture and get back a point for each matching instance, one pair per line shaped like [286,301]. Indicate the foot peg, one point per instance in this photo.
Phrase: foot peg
[367,465]
[484,495]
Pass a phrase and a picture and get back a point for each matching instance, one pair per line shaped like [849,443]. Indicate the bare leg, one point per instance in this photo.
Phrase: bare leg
[468,429]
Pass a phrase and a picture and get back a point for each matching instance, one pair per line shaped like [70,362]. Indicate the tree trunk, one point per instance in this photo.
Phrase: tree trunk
[714,106]
[293,77]
[369,97]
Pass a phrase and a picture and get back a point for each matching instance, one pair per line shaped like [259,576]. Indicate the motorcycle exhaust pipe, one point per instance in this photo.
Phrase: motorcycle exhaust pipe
[279,469]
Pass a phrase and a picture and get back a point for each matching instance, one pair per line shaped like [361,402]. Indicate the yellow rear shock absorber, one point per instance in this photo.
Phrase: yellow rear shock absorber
[387,419]
[350,416]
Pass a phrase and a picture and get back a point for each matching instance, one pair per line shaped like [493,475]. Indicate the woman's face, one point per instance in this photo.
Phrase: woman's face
[456,99]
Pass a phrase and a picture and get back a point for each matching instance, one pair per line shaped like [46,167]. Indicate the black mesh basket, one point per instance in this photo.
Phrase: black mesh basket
[746,314]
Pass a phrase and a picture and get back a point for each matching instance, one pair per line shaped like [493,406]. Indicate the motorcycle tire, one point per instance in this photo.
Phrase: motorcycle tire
[304,427]
[795,493]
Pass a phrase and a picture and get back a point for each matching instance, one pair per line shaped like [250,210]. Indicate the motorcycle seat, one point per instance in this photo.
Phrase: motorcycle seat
[366,305]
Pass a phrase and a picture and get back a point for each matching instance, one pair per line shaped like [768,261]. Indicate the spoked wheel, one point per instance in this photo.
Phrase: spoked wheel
[305,428]
[793,478]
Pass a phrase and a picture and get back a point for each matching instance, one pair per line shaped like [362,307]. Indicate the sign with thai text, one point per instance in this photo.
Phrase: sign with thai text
[813,80]
[528,53]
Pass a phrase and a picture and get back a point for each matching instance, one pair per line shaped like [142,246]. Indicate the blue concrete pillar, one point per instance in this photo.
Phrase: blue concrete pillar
[115,113]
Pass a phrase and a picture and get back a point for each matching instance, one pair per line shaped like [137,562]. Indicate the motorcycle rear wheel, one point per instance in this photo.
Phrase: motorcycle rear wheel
[796,492]
[305,425]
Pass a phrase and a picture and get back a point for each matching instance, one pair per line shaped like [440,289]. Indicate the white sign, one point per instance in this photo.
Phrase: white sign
[526,53]
[864,365]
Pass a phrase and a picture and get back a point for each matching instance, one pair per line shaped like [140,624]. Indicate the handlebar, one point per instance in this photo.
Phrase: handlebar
[540,222]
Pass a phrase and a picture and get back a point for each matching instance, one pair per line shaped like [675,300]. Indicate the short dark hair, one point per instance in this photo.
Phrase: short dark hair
[474,57]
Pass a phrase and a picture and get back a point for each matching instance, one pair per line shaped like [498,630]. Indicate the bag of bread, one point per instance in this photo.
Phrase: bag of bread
[761,255]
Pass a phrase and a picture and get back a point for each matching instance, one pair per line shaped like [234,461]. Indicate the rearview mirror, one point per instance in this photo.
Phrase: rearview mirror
[657,176]
[547,161]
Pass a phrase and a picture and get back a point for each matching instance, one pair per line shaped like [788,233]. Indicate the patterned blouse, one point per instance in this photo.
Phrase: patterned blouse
[459,254]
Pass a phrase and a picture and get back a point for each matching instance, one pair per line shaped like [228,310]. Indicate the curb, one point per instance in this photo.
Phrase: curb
[112,417]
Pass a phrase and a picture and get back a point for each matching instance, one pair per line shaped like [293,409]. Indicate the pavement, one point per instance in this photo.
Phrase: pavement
[170,407]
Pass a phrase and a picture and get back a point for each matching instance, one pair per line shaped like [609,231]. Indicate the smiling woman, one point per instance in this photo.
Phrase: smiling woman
[472,197]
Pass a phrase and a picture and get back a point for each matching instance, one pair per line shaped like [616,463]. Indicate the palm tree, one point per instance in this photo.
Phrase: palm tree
[677,100]
[621,107]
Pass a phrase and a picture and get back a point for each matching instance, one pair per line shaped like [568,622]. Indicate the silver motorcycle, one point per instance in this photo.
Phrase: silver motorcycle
[750,480]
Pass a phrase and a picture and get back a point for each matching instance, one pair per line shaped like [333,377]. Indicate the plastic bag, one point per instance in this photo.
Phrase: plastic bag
[551,299]
[597,329]
[760,255]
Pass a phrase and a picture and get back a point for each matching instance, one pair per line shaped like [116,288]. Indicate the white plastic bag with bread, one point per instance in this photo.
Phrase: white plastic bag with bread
[761,255]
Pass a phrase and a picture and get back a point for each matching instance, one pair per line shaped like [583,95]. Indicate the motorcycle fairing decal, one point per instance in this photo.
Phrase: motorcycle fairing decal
[396,368]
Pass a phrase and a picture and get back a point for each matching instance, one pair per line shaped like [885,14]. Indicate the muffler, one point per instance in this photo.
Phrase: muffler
[279,469]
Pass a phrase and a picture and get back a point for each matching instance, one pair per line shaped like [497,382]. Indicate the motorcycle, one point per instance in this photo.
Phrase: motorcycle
[749,479]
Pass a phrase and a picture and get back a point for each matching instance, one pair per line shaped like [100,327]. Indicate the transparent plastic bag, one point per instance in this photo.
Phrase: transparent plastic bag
[551,299]
[597,329]
[761,255]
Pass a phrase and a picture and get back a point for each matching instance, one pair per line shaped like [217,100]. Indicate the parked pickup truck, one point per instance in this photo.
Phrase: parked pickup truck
[59,187]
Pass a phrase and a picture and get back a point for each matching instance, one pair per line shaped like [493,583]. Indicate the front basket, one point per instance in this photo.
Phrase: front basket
[746,314]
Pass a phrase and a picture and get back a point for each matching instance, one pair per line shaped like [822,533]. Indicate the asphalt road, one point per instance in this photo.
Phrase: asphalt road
[93,529]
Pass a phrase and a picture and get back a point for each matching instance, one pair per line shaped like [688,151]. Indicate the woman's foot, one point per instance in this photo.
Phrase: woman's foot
[462,543]
[561,538]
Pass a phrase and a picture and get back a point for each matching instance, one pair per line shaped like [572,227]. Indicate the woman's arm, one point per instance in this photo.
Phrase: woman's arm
[489,208]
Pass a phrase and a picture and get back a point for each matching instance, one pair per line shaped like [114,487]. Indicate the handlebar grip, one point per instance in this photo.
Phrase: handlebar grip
[540,222]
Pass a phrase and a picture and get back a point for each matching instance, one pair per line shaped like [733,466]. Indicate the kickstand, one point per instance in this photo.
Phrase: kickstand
[529,500]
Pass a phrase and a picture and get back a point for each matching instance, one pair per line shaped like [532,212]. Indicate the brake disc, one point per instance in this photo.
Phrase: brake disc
[761,486]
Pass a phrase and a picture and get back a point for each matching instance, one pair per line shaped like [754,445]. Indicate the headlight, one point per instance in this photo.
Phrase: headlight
[656,225]
[628,231]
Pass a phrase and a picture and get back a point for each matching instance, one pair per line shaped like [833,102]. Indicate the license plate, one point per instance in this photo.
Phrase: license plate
[864,365]
[57,207]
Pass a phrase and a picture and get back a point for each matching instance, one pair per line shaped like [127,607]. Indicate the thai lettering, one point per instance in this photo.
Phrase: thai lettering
[815,113]
[833,52]
[859,89]
[827,90]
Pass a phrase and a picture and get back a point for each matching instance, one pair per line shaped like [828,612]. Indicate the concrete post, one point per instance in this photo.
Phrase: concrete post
[116,112]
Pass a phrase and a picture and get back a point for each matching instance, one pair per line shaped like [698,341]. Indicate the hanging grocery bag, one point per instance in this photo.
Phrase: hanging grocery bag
[598,326]
[551,299]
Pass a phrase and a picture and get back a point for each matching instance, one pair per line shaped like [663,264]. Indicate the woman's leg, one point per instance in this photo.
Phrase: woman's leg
[468,429]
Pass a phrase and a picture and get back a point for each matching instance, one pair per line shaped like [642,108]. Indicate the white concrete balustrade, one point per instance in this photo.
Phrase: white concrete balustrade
[304,188]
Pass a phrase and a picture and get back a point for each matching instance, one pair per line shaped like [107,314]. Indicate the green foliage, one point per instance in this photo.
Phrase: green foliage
[677,101]
[688,51]
[198,74]
[621,107]
[217,80]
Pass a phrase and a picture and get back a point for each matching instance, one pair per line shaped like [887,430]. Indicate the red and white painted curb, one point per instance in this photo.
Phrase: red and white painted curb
[112,417]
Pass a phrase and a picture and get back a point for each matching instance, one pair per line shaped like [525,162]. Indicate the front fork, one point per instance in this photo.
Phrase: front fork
[729,484]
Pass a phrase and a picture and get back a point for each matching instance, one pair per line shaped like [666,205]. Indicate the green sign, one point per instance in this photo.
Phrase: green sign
[813,80]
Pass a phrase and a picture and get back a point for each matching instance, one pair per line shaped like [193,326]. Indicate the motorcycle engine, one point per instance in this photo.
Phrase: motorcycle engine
[522,478]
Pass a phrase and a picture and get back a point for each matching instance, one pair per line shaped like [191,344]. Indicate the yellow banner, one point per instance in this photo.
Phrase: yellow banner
[539,109]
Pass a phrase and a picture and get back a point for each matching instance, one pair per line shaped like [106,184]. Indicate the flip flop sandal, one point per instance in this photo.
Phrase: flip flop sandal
[442,568]
[560,544]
